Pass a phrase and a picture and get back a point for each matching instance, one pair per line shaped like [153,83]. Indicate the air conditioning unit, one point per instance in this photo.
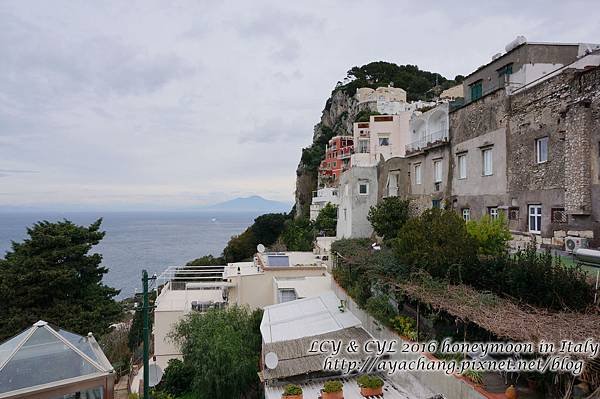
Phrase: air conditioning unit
[573,243]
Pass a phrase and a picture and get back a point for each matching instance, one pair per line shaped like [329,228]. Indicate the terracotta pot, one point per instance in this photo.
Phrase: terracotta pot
[333,395]
[292,396]
[371,391]
[511,393]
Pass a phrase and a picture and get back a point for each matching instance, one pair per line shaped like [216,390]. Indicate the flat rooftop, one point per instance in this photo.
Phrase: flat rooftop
[305,318]
[181,300]
[305,287]
[289,259]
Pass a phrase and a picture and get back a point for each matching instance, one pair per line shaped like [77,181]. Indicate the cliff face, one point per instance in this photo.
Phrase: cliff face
[336,120]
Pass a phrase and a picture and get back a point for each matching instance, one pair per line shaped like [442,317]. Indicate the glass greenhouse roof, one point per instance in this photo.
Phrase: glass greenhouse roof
[44,354]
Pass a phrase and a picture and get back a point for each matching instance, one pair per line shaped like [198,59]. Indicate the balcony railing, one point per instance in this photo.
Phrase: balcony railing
[438,137]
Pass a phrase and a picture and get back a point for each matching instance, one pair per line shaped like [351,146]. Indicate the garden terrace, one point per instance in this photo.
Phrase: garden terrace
[501,316]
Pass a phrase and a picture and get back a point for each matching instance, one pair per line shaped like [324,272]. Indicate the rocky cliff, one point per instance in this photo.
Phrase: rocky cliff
[341,110]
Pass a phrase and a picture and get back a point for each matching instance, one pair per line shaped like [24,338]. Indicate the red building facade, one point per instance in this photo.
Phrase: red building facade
[337,159]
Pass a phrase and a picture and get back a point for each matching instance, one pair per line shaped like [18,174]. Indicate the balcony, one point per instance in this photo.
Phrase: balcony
[429,141]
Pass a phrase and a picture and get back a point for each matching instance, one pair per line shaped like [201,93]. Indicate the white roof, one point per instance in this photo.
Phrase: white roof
[305,318]
[305,287]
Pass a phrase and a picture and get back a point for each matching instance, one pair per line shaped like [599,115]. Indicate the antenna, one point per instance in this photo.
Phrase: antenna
[271,360]
[260,248]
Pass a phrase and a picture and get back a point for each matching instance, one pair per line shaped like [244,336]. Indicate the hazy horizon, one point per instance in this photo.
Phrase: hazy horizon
[172,105]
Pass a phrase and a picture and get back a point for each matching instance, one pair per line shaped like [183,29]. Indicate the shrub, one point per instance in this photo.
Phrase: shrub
[207,260]
[404,326]
[388,217]
[491,235]
[291,390]
[476,377]
[298,235]
[177,378]
[370,381]
[326,221]
[437,241]
[379,306]
[133,395]
[333,386]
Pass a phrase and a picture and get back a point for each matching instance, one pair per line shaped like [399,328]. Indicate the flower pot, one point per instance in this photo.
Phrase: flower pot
[292,396]
[371,391]
[511,393]
[333,395]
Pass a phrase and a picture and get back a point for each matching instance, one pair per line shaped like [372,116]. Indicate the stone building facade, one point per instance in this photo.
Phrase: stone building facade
[533,155]
[564,113]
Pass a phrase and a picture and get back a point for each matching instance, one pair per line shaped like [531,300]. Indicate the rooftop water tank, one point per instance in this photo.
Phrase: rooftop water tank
[515,43]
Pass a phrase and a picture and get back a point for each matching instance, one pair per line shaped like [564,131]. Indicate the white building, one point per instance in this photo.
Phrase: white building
[322,197]
[428,128]
[384,136]
[358,193]
[270,279]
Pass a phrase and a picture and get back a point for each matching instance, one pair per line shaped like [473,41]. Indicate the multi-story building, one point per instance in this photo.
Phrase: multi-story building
[384,136]
[428,157]
[271,278]
[529,149]
[522,63]
[337,158]
[358,193]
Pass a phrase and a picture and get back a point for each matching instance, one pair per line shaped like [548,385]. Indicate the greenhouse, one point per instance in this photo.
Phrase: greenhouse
[45,361]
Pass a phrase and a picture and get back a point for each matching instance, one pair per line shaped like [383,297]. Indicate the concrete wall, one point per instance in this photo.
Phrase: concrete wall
[425,193]
[164,348]
[539,58]
[354,207]
[451,387]
[393,172]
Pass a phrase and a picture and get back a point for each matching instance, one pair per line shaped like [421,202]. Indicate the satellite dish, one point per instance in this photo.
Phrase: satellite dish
[156,374]
[271,360]
[260,248]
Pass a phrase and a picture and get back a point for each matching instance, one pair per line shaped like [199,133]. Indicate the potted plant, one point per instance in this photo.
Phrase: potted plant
[370,385]
[476,377]
[332,390]
[292,391]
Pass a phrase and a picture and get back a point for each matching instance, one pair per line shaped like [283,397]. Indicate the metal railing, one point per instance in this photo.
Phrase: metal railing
[439,136]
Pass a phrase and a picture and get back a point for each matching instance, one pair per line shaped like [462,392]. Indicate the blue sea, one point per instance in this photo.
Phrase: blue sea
[140,240]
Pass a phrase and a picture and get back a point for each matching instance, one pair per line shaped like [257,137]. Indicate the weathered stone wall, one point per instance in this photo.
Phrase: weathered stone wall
[566,109]
[396,166]
[484,115]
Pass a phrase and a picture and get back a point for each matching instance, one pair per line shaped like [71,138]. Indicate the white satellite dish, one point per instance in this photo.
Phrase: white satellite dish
[271,360]
[156,374]
[260,248]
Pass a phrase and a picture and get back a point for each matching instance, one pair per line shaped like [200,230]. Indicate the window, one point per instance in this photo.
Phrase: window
[286,295]
[558,215]
[504,73]
[384,141]
[476,90]
[493,212]
[437,171]
[418,174]
[541,150]
[513,213]
[363,188]
[345,214]
[436,203]
[462,166]
[535,219]
[466,214]
[392,188]
[363,146]
[487,162]
[334,164]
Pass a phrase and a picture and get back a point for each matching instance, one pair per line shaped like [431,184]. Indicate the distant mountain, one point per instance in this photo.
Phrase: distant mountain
[253,203]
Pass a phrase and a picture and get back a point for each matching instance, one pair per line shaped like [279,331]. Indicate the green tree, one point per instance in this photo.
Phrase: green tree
[438,242]
[298,235]
[326,221]
[268,227]
[240,247]
[388,217]
[491,235]
[222,347]
[207,260]
[52,276]
[177,378]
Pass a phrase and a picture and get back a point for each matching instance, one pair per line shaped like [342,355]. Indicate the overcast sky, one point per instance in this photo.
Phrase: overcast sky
[143,104]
